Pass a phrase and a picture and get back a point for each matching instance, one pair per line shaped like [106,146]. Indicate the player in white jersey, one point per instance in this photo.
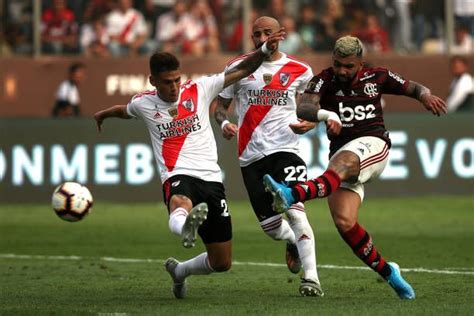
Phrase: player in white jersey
[268,143]
[177,118]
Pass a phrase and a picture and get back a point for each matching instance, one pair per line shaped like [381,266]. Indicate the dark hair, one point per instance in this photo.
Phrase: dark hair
[459,58]
[162,61]
[76,66]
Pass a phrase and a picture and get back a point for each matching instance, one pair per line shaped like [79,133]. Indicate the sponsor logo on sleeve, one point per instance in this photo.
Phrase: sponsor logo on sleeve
[315,87]
[397,77]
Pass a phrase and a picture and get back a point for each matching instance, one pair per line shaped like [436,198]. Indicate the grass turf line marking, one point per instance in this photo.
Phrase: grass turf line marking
[237,263]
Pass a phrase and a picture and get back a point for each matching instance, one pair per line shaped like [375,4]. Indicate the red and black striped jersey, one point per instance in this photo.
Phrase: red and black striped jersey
[358,104]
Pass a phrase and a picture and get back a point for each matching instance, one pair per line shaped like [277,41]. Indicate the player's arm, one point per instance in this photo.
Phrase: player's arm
[253,61]
[302,126]
[119,111]
[229,129]
[430,101]
[310,110]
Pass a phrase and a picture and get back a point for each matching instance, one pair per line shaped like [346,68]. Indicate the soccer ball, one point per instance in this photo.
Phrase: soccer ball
[72,201]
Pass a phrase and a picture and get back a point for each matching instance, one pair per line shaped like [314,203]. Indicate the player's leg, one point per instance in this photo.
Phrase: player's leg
[217,258]
[344,205]
[184,217]
[273,224]
[291,169]
[216,233]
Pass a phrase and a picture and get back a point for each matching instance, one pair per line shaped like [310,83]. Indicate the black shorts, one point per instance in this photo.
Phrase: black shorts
[217,227]
[283,167]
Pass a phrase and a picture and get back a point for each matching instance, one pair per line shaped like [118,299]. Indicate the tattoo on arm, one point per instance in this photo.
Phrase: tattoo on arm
[416,90]
[221,109]
[309,107]
[245,68]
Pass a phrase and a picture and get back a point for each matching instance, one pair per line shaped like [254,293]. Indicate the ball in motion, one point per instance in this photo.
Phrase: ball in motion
[72,201]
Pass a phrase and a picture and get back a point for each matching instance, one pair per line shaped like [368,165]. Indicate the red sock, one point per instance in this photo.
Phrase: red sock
[320,187]
[361,243]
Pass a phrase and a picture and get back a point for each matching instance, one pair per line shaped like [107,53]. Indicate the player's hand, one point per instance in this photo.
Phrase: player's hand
[434,104]
[333,127]
[302,126]
[99,120]
[274,38]
[229,130]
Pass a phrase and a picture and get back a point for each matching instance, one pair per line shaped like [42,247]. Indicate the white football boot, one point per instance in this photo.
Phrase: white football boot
[195,218]
[179,286]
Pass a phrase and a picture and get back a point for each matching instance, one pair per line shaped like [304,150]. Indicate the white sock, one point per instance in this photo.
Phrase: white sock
[305,240]
[194,266]
[278,228]
[177,219]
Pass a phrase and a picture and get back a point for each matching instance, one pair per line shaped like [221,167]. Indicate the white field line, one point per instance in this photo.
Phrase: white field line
[237,263]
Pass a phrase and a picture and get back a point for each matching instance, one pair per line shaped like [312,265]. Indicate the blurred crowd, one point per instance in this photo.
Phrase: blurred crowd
[134,27]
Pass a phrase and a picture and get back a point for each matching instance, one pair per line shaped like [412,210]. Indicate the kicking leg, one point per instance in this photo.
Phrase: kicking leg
[184,219]
[344,205]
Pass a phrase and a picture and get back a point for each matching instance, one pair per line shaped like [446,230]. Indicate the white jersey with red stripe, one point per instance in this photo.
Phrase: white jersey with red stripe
[181,134]
[265,103]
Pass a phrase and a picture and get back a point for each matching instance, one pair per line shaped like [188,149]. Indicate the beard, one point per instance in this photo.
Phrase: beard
[345,79]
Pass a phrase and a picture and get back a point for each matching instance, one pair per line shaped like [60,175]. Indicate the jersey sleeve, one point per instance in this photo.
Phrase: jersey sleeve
[319,83]
[229,91]
[306,78]
[212,85]
[132,107]
[393,83]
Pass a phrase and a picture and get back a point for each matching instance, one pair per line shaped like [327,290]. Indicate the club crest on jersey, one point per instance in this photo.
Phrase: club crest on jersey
[284,78]
[189,105]
[173,112]
[267,78]
[371,89]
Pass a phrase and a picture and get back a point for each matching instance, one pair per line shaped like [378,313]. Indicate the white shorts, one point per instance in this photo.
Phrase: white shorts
[373,156]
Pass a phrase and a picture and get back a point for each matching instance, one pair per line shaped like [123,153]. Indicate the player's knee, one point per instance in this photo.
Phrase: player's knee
[297,216]
[221,265]
[178,200]
[346,165]
[343,223]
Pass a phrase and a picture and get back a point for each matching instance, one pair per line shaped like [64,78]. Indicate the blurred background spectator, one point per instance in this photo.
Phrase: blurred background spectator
[127,30]
[95,39]
[59,29]
[374,37]
[293,43]
[310,28]
[333,24]
[464,12]
[198,27]
[402,33]
[427,21]
[67,102]
[175,30]
[207,34]
[461,90]
[463,42]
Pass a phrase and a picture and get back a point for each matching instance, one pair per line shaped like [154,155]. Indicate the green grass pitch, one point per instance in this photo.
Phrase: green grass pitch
[434,233]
